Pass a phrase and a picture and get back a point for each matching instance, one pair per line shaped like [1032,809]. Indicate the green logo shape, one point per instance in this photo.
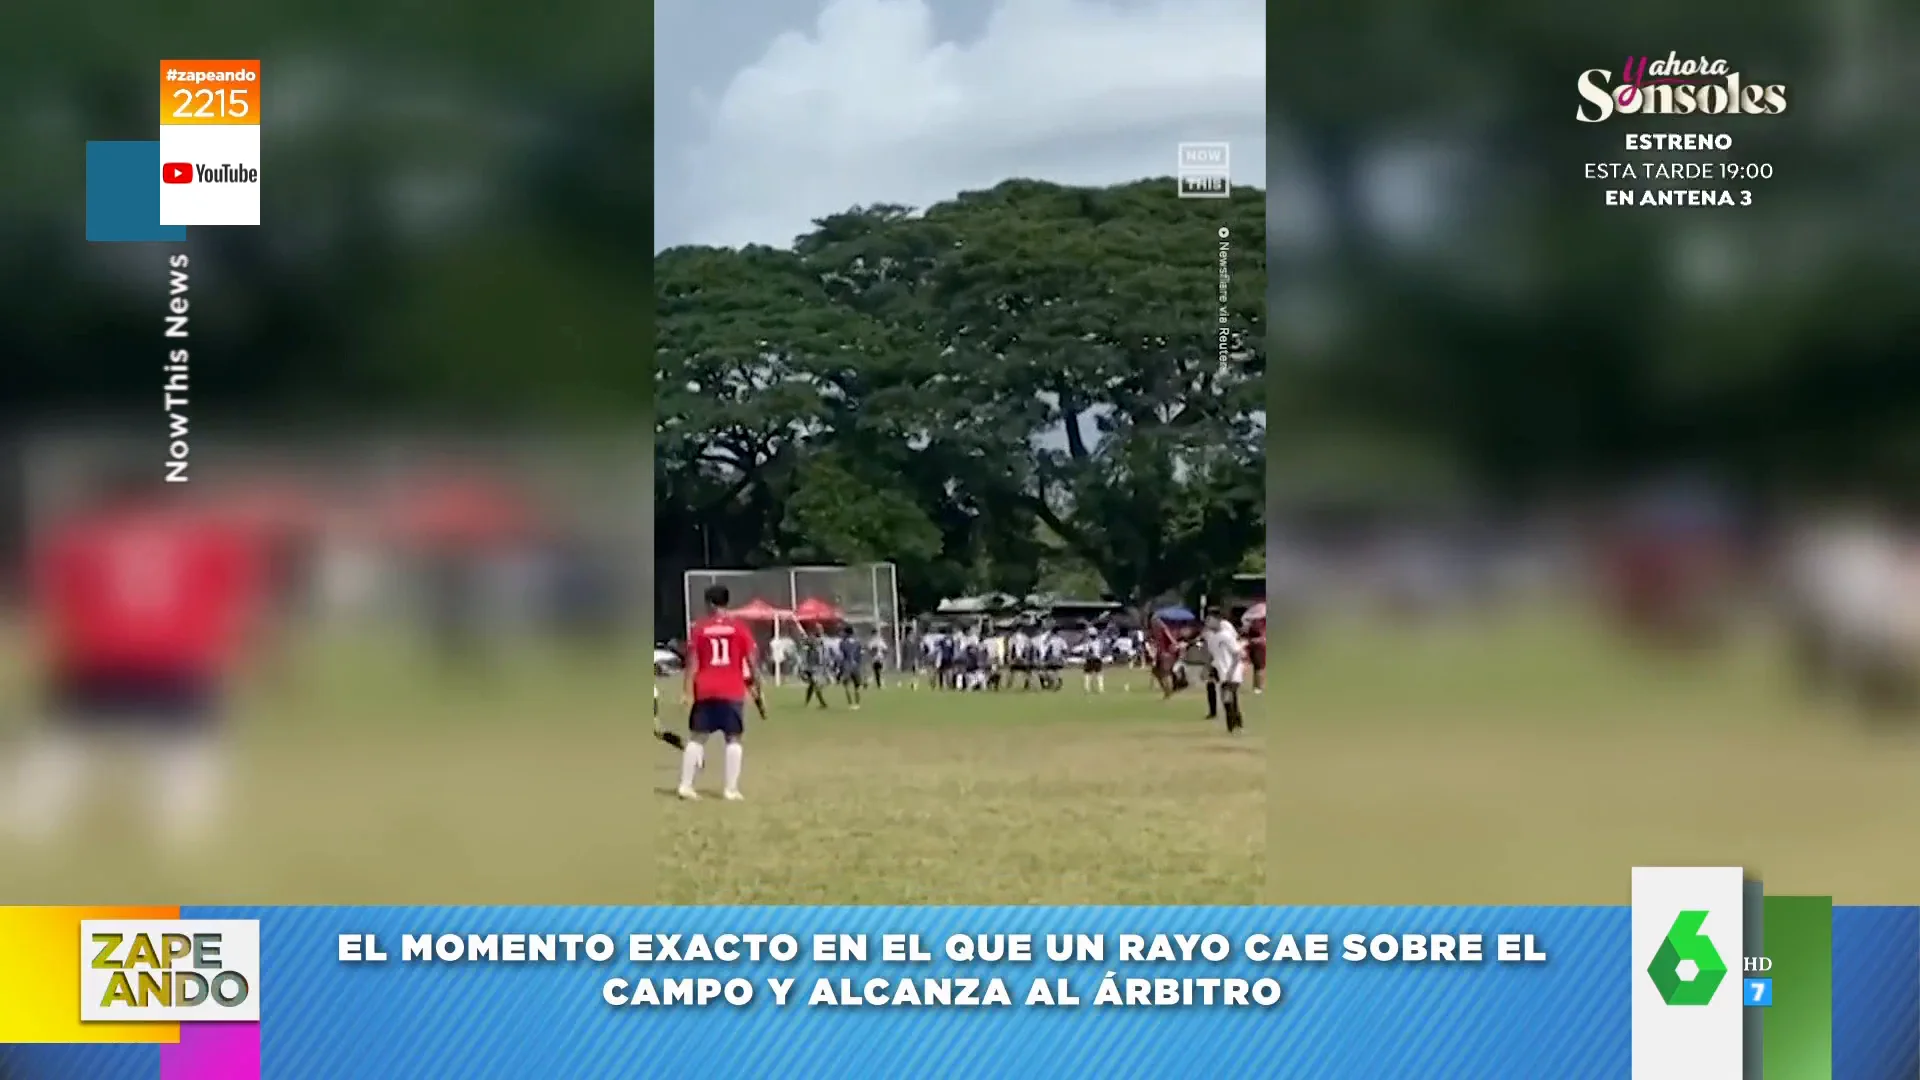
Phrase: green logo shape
[1685,942]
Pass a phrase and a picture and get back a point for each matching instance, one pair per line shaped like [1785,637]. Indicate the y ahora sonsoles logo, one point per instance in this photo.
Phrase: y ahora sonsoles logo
[1675,87]
[1687,969]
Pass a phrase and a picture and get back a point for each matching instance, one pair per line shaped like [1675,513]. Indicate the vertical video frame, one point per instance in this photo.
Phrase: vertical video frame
[960,452]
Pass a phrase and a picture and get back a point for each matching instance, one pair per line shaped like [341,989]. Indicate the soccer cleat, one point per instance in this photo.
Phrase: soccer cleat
[688,794]
[733,796]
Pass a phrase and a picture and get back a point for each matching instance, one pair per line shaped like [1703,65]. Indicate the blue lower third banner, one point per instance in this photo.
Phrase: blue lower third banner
[123,195]
[1319,993]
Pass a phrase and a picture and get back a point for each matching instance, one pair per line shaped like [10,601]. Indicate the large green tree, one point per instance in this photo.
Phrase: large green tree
[1021,386]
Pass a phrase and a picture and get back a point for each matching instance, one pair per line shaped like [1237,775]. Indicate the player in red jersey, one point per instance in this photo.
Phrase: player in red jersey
[144,608]
[720,652]
[1257,652]
[1165,644]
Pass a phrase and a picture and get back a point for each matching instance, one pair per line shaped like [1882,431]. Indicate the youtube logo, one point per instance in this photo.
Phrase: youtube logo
[208,176]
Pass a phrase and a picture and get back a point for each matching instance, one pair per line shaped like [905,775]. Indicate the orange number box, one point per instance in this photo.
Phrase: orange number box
[202,92]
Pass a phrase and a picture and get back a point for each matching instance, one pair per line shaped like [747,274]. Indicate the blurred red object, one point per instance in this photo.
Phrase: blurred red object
[278,509]
[140,588]
[758,610]
[811,610]
[463,513]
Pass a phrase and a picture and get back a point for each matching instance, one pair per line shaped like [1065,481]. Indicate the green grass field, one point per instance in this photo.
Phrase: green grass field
[367,777]
[1536,759]
[927,797]
[1524,760]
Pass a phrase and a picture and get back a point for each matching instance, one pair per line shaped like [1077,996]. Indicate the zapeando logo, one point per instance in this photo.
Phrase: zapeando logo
[1685,944]
[1675,87]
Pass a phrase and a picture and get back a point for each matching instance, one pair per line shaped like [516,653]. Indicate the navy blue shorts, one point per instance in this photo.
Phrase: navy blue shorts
[135,701]
[717,717]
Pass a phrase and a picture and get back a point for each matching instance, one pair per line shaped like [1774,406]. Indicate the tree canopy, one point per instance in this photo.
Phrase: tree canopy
[1030,387]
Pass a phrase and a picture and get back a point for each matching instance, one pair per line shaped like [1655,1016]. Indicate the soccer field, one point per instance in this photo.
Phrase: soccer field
[1522,760]
[368,776]
[1535,759]
[1014,797]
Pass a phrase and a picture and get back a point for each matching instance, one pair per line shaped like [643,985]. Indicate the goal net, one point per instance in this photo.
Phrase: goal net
[865,597]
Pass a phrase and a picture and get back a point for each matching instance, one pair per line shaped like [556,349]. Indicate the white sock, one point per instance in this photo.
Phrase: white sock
[48,783]
[189,788]
[694,756]
[1099,684]
[735,756]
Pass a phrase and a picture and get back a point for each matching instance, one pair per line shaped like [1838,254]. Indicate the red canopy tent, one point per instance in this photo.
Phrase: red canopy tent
[758,610]
[463,513]
[811,610]
[273,509]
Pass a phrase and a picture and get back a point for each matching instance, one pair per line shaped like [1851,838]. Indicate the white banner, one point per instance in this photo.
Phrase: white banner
[209,175]
[1688,935]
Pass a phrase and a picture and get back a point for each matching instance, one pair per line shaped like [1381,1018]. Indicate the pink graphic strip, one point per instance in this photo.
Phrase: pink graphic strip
[212,1052]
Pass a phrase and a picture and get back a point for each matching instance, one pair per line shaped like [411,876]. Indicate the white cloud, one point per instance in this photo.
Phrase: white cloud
[871,107]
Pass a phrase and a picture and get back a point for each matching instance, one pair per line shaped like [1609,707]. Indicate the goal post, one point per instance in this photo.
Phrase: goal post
[866,595]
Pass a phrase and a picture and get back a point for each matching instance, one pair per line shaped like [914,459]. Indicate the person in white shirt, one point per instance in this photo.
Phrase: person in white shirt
[781,651]
[1021,660]
[1094,666]
[877,647]
[1053,659]
[929,672]
[996,660]
[1227,662]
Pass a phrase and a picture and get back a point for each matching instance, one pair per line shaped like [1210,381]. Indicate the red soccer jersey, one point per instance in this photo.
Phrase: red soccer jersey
[1165,642]
[147,592]
[721,658]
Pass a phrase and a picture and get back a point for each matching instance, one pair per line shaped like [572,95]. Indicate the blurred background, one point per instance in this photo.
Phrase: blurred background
[419,395]
[1591,529]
